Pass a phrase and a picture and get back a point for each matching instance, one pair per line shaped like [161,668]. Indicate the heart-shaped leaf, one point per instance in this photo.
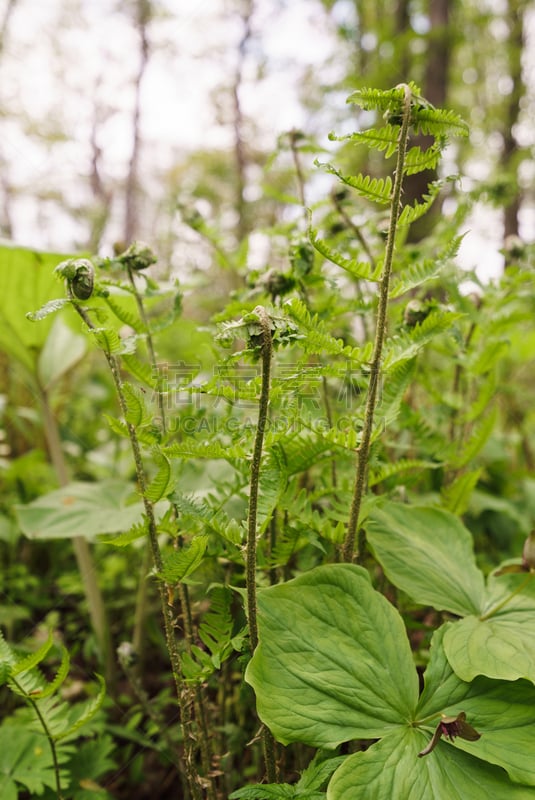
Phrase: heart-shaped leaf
[81,509]
[391,769]
[334,661]
[503,712]
[500,642]
[429,554]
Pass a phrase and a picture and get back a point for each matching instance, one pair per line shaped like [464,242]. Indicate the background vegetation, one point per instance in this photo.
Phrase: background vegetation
[240,221]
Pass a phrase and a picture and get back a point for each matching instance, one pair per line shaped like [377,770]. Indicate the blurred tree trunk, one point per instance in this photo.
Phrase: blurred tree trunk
[131,223]
[240,156]
[6,223]
[510,152]
[435,89]
[102,196]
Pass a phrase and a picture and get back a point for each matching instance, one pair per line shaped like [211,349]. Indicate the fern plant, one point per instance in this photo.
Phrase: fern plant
[355,345]
[46,745]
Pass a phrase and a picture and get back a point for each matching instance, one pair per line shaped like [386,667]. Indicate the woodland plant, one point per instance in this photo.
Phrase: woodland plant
[322,439]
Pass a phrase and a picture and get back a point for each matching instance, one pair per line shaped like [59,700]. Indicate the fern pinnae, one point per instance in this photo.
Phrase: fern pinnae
[371,99]
[124,315]
[87,711]
[382,139]
[405,106]
[379,474]
[60,676]
[362,270]
[438,122]
[162,482]
[139,369]
[418,160]
[410,214]
[377,190]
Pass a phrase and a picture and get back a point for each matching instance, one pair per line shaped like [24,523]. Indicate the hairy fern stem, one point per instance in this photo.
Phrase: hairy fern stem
[47,732]
[266,355]
[380,334]
[183,692]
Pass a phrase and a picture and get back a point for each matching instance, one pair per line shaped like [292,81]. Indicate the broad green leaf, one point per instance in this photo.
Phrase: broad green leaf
[271,791]
[91,760]
[333,662]
[428,553]
[81,509]
[8,788]
[391,769]
[25,759]
[62,349]
[27,282]
[503,712]
[500,642]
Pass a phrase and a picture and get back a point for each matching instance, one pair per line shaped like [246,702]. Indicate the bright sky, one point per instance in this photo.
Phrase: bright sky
[65,57]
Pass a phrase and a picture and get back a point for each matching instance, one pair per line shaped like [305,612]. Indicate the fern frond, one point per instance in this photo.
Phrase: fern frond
[108,340]
[385,471]
[178,564]
[476,441]
[272,483]
[205,517]
[136,411]
[406,345]
[33,659]
[303,450]
[286,546]
[140,370]
[217,625]
[418,160]
[422,271]
[84,713]
[394,384]
[148,436]
[376,99]
[346,438]
[190,448]
[385,138]
[377,190]
[136,532]
[162,482]
[456,496]
[58,679]
[362,270]
[124,315]
[410,214]
[7,659]
[439,122]
[318,339]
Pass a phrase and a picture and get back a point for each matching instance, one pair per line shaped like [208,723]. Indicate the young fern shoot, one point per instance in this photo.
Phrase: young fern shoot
[404,109]
[380,331]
